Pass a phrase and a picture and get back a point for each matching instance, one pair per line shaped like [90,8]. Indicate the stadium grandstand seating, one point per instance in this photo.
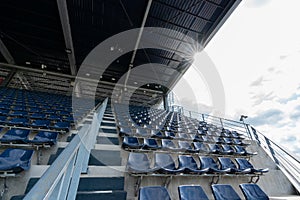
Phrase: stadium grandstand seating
[80,120]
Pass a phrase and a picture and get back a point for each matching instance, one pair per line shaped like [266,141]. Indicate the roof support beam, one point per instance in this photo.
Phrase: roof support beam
[8,78]
[64,18]
[6,54]
[138,40]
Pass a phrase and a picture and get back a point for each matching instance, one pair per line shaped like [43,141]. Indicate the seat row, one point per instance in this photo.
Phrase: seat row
[20,136]
[28,112]
[39,124]
[139,163]
[196,192]
[133,143]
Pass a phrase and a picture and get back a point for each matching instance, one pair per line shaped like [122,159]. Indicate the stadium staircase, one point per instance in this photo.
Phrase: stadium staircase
[104,178]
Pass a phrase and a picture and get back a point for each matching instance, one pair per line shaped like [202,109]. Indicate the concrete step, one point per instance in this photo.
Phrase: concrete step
[105,157]
[108,119]
[108,130]
[110,124]
[107,195]
[108,188]
[107,140]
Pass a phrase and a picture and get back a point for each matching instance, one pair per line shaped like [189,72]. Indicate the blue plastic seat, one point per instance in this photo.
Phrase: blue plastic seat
[15,136]
[33,109]
[170,135]
[214,148]
[169,145]
[165,164]
[186,146]
[15,160]
[197,138]
[226,163]
[154,192]
[38,116]
[189,165]
[125,131]
[138,163]
[183,136]
[19,108]
[228,141]
[44,137]
[40,123]
[245,164]
[200,147]
[228,150]
[208,162]
[150,143]
[157,134]
[253,192]
[4,112]
[240,142]
[54,117]
[142,132]
[18,122]
[242,151]
[131,143]
[3,119]
[61,126]
[191,192]
[19,114]
[224,192]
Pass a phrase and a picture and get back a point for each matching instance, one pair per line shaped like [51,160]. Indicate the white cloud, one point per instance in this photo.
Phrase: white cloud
[257,54]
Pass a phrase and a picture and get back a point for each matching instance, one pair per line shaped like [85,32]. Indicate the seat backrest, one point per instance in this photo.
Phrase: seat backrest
[243,163]
[226,163]
[184,145]
[18,132]
[154,192]
[227,148]
[138,161]
[214,147]
[224,192]
[164,160]
[150,141]
[200,146]
[166,143]
[191,192]
[131,140]
[253,192]
[208,162]
[239,149]
[187,162]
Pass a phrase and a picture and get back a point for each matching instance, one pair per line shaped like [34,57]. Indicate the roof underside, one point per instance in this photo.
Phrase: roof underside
[43,43]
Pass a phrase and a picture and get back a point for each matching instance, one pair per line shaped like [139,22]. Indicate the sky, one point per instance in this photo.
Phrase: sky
[257,56]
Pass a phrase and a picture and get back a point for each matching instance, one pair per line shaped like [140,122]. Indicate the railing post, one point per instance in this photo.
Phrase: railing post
[271,150]
[254,133]
[221,123]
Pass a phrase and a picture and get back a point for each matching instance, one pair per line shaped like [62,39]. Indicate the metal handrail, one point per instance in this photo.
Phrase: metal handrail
[285,161]
[61,179]
[222,122]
